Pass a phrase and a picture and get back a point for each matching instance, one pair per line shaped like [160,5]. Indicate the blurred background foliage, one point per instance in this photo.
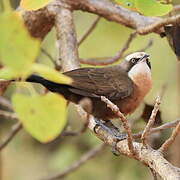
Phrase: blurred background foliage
[26,159]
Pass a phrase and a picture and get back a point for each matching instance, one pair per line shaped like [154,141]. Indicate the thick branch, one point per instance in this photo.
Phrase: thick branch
[112,12]
[148,156]
[40,22]
[157,25]
[153,159]
[67,41]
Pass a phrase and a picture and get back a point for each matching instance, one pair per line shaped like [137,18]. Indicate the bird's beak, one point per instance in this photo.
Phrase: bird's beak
[145,58]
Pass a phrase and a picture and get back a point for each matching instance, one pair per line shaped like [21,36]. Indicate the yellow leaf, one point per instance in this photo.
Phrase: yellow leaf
[44,117]
[51,74]
[33,4]
[18,49]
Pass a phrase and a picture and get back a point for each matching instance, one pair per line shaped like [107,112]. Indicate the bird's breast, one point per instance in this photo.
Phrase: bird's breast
[141,76]
[142,85]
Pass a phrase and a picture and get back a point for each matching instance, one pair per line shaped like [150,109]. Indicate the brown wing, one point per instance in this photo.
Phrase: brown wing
[111,82]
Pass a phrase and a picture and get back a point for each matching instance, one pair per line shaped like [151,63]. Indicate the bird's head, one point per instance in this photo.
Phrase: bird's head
[135,61]
[138,67]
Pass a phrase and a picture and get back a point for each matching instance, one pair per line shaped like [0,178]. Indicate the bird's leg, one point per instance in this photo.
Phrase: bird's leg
[111,129]
[119,136]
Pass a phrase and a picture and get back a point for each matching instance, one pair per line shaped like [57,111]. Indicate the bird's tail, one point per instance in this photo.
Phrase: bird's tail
[52,86]
[36,79]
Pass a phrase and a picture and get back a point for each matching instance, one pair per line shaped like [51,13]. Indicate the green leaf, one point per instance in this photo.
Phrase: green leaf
[44,117]
[33,4]
[130,4]
[18,49]
[51,74]
[146,7]
[152,7]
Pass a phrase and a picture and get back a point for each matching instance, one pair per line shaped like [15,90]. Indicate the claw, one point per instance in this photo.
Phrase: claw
[114,147]
[99,123]
[113,130]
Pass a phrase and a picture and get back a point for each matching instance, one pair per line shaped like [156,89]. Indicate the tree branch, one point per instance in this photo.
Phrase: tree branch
[5,102]
[146,155]
[89,31]
[157,25]
[148,45]
[109,60]
[157,129]
[169,141]
[83,159]
[66,38]
[15,129]
[68,53]
[125,123]
[8,115]
[40,22]
[112,12]
[151,121]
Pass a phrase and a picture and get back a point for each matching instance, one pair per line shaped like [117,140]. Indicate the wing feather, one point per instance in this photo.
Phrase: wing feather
[111,82]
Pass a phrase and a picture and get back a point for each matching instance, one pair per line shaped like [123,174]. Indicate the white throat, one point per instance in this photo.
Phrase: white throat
[140,74]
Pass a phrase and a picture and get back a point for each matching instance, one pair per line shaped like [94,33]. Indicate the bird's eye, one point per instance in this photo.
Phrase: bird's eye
[133,60]
[128,4]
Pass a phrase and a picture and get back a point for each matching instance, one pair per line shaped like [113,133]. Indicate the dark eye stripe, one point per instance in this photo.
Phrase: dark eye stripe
[134,60]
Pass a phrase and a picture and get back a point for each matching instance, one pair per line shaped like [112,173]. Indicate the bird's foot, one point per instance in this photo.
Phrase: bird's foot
[113,130]
[99,123]
[118,138]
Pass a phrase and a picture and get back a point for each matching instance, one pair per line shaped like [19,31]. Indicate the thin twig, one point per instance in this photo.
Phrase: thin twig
[89,31]
[157,25]
[109,60]
[169,141]
[157,129]
[44,51]
[77,133]
[15,129]
[148,45]
[71,133]
[83,159]
[126,126]
[8,115]
[151,121]
[6,103]
[163,90]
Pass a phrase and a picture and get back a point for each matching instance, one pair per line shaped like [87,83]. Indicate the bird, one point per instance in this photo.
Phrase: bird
[125,84]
